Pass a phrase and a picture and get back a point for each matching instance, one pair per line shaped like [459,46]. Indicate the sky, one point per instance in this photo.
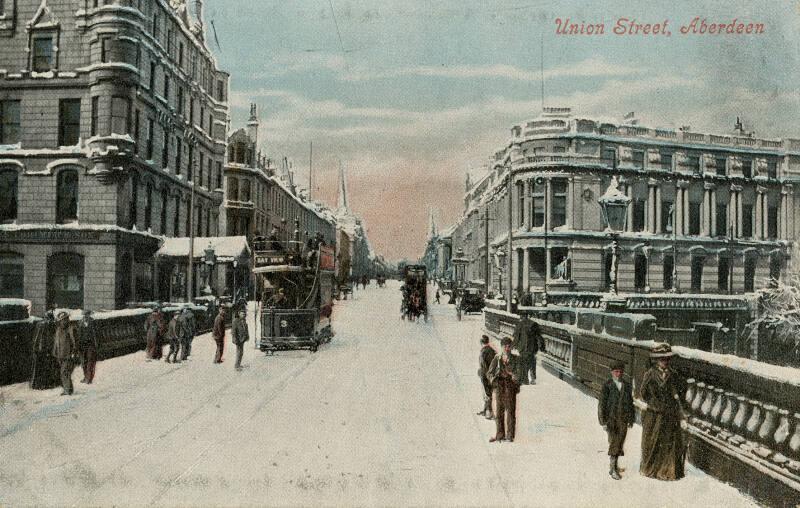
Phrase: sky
[411,95]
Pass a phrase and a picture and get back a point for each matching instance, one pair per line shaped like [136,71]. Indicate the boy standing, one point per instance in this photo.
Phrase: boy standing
[616,414]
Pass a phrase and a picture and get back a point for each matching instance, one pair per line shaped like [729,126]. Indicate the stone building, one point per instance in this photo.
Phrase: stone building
[113,135]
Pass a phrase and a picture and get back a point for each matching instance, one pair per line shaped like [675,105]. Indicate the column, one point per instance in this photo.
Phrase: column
[782,216]
[527,205]
[712,210]
[705,220]
[571,202]
[677,216]
[764,215]
[739,212]
[526,266]
[547,266]
[658,210]
[514,268]
[685,201]
[731,213]
[629,220]
[759,232]
[651,207]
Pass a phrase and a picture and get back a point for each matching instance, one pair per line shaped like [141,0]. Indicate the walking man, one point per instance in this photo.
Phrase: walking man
[663,446]
[64,350]
[239,335]
[616,414]
[154,329]
[45,367]
[218,331]
[484,361]
[187,329]
[526,341]
[89,345]
[504,373]
[437,295]
[174,333]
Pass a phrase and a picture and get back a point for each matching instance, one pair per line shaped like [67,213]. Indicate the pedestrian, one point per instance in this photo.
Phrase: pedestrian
[239,335]
[504,373]
[437,295]
[88,346]
[174,333]
[526,341]
[187,332]
[218,332]
[616,414]
[65,350]
[44,372]
[154,330]
[663,445]
[485,358]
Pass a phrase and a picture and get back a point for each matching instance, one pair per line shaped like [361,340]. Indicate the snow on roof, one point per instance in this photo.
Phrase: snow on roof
[225,247]
[15,301]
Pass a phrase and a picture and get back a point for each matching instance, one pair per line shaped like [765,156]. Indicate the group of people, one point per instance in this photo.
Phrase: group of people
[662,391]
[59,346]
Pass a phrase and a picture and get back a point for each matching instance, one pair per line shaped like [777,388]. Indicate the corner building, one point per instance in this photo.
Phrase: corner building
[113,135]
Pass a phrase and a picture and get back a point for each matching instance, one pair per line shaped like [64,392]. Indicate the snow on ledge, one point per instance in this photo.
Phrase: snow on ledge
[12,162]
[787,375]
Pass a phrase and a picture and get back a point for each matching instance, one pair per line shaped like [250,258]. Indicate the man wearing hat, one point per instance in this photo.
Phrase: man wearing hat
[44,371]
[663,391]
[504,375]
[88,344]
[616,414]
[484,361]
[218,332]
[64,348]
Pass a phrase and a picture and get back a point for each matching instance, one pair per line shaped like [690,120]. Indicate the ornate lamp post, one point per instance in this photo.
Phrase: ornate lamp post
[614,205]
[209,260]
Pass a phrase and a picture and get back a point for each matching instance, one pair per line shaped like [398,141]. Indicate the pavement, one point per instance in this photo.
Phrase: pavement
[384,415]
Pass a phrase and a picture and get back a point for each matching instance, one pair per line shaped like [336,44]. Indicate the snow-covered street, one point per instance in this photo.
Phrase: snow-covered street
[383,415]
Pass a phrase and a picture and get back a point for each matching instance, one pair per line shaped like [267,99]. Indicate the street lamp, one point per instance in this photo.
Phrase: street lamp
[614,205]
[235,264]
[209,259]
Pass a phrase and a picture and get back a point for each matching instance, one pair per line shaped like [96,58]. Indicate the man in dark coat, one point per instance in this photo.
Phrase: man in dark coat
[45,367]
[527,340]
[616,414]
[663,446]
[187,329]
[174,333]
[64,350]
[154,330]
[504,373]
[88,345]
[218,332]
[484,361]
[239,335]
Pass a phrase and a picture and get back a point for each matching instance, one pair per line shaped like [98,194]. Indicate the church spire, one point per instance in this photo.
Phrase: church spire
[342,204]
[431,224]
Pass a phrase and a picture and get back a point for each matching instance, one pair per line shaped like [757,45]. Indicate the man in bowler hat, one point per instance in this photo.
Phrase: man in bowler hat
[616,414]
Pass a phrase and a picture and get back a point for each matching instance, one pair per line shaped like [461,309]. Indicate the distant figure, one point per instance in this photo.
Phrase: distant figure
[527,340]
[187,329]
[218,332]
[484,361]
[65,350]
[88,346]
[275,244]
[154,330]
[616,414]
[503,374]
[278,300]
[174,333]
[239,335]
[663,447]
[437,295]
[45,367]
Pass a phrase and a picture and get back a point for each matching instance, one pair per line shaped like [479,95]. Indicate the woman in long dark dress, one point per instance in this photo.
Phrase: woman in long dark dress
[663,442]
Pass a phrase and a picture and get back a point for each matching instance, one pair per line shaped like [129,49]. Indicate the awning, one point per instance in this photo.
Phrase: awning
[226,248]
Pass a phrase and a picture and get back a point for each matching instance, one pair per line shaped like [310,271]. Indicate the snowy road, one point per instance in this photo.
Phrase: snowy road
[383,415]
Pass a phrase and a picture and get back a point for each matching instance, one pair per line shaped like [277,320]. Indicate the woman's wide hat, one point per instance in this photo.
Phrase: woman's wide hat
[661,351]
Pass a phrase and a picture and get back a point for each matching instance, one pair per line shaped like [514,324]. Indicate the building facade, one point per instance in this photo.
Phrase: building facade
[709,214]
[113,135]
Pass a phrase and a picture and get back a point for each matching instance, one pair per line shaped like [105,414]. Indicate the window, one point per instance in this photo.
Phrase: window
[165,154]
[233,189]
[723,272]
[560,263]
[180,55]
[720,163]
[722,220]
[133,203]
[155,26]
[12,274]
[191,111]
[244,193]
[67,196]
[638,214]
[210,125]
[202,116]
[166,87]
[747,221]
[666,160]
[136,129]
[693,161]
[65,281]
[694,218]
[69,122]
[198,220]
[608,259]
[179,156]
[164,204]
[537,203]
[9,191]
[105,42]
[95,112]
[610,156]
[9,122]
[208,222]
[697,273]
[188,220]
[152,84]
[120,115]
[772,169]
[638,159]
[148,206]
[666,217]
[219,175]
[669,267]
[640,271]
[176,219]
[772,222]
[42,54]
[220,91]
[200,165]
[749,274]
[559,209]
[520,203]
[180,100]
[747,169]
[150,133]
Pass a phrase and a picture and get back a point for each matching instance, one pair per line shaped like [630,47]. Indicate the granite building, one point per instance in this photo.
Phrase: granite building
[113,135]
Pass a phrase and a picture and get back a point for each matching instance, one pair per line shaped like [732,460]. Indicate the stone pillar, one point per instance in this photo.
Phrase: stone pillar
[677,216]
[629,220]
[759,232]
[651,207]
[526,266]
[739,212]
[712,210]
[731,212]
[514,269]
[705,219]
[571,202]
[658,211]
[685,209]
[547,266]
[527,205]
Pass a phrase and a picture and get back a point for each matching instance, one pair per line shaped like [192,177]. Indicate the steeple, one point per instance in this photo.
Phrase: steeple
[341,204]
[467,183]
[252,126]
[431,224]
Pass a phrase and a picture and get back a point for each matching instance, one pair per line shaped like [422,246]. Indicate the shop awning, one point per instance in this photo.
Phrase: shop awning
[226,248]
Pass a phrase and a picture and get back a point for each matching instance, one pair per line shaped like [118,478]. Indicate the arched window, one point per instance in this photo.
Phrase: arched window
[8,195]
[67,196]
[12,275]
[233,188]
[65,280]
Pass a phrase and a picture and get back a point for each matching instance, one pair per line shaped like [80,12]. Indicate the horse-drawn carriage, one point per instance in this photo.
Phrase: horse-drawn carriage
[297,288]
[414,289]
